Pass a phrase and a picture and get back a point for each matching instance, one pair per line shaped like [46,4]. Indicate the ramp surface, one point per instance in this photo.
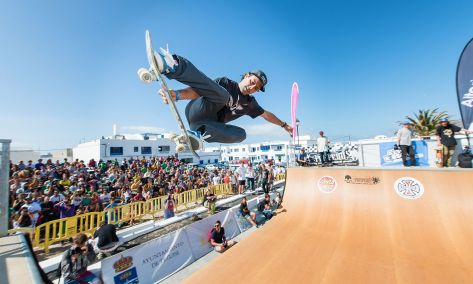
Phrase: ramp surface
[351,225]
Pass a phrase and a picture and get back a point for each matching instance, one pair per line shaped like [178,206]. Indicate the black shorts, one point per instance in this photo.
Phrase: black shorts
[241,182]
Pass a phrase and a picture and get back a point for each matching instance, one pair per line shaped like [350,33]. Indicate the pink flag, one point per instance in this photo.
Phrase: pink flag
[294,100]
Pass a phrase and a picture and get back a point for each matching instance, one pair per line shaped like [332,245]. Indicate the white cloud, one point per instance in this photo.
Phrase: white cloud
[140,129]
[265,132]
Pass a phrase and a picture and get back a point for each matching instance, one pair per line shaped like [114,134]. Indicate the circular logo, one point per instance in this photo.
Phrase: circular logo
[327,184]
[408,188]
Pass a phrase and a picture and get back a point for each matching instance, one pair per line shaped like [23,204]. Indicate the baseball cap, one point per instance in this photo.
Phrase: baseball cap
[444,119]
[261,76]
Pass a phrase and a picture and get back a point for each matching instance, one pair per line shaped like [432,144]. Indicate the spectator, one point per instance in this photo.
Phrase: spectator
[465,158]
[105,239]
[57,197]
[74,262]
[169,205]
[322,148]
[250,176]
[218,239]
[302,158]
[210,200]
[264,206]
[34,208]
[246,213]
[65,208]
[265,175]
[241,176]
[25,219]
[446,140]
[404,140]
[277,202]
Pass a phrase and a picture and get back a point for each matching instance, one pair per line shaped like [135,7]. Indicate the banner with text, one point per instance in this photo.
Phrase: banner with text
[392,157]
[150,262]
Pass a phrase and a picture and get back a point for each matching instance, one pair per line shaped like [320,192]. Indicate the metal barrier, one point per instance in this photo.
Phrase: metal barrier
[63,229]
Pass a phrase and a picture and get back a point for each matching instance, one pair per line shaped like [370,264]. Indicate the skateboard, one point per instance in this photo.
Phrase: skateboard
[439,157]
[152,74]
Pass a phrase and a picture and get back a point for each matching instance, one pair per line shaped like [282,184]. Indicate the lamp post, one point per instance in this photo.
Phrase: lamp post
[297,129]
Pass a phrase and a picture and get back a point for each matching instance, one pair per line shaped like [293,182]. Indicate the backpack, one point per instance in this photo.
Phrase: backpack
[209,236]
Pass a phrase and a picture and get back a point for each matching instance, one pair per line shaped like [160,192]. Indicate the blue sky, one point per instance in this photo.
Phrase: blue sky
[68,68]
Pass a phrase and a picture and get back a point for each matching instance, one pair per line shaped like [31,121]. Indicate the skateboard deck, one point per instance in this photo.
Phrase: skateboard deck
[439,157]
[153,74]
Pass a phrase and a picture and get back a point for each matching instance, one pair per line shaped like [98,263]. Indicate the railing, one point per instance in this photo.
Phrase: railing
[63,229]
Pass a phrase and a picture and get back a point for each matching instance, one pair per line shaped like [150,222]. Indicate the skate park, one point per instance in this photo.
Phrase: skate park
[345,129]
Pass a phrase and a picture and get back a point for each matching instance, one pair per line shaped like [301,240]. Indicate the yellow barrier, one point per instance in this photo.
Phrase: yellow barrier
[66,228]
[280,176]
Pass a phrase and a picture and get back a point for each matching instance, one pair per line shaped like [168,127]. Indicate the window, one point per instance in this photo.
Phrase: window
[164,148]
[237,158]
[201,162]
[215,161]
[253,149]
[135,149]
[116,151]
[243,149]
[230,158]
[236,150]
[264,148]
[146,150]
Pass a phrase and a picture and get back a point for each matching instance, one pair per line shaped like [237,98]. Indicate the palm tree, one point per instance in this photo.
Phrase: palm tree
[425,122]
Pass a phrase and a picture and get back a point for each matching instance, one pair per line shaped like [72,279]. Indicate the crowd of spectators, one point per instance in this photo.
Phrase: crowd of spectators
[42,192]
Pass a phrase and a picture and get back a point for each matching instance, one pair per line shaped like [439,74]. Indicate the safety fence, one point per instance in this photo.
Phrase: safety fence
[63,229]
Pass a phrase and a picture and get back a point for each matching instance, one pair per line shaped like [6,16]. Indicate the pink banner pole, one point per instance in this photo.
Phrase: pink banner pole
[294,101]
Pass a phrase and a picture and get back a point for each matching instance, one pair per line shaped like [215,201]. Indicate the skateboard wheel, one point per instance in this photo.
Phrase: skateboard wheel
[146,76]
[180,148]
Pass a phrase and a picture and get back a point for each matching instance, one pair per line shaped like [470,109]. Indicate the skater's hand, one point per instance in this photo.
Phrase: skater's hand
[288,128]
[163,95]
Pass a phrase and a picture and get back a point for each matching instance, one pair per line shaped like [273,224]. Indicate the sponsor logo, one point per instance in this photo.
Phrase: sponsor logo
[362,180]
[327,184]
[123,263]
[409,188]
[467,99]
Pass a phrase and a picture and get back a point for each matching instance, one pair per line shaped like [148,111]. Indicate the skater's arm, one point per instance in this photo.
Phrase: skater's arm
[184,94]
[270,117]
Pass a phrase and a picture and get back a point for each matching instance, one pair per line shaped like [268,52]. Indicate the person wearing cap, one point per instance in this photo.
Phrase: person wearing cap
[446,139]
[322,148]
[215,103]
[404,140]
[465,159]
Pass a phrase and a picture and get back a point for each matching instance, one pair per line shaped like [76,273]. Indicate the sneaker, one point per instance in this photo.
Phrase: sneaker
[166,63]
[197,139]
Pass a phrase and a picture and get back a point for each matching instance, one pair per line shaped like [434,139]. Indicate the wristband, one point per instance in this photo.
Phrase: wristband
[177,95]
[284,124]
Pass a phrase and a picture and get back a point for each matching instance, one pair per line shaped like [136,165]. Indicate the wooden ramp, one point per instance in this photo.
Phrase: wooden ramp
[350,225]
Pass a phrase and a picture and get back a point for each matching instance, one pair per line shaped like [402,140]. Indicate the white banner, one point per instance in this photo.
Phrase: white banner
[150,262]
[199,234]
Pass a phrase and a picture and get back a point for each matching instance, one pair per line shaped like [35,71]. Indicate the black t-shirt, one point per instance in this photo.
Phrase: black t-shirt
[218,236]
[239,105]
[446,134]
[106,234]
[242,209]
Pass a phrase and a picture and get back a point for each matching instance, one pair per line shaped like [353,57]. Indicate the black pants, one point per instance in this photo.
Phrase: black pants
[408,150]
[251,183]
[201,113]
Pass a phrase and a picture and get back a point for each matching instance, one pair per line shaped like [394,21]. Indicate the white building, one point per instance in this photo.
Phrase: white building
[279,151]
[137,145]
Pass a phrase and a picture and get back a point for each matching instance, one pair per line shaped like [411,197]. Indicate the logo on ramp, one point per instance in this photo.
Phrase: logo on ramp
[409,188]
[327,184]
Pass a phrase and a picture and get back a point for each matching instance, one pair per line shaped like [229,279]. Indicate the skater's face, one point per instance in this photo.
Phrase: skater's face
[250,84]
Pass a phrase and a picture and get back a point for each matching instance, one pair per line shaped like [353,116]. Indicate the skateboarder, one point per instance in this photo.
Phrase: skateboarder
[215,103]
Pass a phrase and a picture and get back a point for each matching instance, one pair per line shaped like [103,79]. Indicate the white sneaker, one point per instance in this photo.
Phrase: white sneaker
[197,139]
[166,62]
